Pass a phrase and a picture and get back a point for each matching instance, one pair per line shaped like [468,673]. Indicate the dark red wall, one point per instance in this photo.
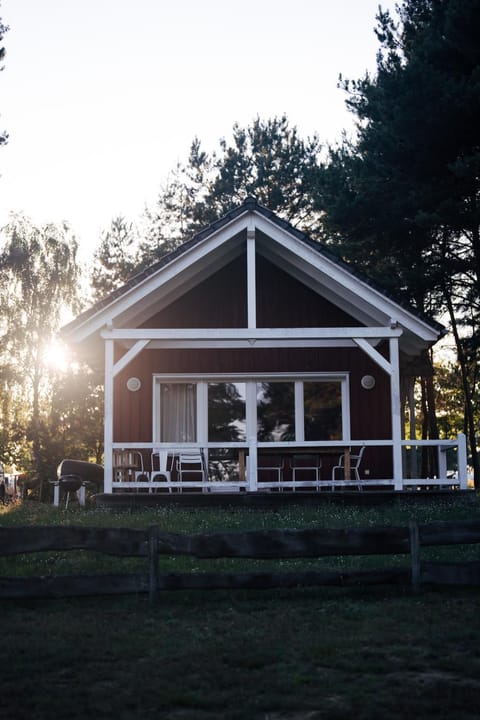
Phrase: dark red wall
[282,301]
[220,301]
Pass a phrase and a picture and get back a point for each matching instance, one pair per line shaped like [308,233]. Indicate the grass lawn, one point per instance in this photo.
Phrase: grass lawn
[361,653]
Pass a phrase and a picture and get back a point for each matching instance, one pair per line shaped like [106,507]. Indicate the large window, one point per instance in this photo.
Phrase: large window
[273,409]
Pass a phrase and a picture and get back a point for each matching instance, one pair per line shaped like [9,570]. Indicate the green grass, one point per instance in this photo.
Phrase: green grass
[271,655]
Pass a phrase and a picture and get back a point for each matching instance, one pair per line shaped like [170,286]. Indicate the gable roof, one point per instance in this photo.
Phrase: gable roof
[290,249]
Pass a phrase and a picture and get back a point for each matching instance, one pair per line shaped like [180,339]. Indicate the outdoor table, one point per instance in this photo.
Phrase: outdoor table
[297,450]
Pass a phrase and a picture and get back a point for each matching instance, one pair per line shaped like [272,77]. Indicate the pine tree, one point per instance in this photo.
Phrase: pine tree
[267,159]
[403,197]
[114,259]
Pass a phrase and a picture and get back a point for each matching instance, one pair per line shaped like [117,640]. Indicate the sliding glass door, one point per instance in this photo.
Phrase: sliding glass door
[231,411]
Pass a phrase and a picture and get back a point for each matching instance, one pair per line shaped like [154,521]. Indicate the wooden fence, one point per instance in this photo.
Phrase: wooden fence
[153,543]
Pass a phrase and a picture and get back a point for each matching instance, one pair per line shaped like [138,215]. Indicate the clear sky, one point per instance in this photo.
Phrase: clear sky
[101,98]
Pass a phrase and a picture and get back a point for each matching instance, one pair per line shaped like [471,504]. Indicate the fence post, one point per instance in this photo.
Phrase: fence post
[153,562]
[415,556]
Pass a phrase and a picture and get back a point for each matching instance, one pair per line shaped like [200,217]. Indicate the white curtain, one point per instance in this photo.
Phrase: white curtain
[178,412]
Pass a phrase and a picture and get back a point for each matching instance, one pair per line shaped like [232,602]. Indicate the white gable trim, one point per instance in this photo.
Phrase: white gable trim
[332,276]
[321,273]
[171,276]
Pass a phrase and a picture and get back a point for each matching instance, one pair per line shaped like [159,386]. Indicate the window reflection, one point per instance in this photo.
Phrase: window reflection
[224,408]
[275,411]
[322,410]
[226,412]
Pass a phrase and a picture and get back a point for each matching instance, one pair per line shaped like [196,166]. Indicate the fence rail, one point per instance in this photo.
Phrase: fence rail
[261,545]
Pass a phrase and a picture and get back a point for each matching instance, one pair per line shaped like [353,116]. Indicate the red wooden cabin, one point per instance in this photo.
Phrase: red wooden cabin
[257,348]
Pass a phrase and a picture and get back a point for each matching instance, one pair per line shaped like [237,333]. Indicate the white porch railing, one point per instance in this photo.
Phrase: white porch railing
[446,467]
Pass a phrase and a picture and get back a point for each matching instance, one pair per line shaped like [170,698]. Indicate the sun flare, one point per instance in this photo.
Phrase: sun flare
[56,356]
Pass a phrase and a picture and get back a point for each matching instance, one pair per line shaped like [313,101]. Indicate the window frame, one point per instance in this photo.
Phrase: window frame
[250,380]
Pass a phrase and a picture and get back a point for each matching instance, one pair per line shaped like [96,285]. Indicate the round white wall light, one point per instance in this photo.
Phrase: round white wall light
[368,382]
[134,384]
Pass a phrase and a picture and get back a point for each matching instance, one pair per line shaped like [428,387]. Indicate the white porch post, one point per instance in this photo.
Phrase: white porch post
[396,413]
[462,461]
[108,426]
[251,399]
[252,480]
[251,278]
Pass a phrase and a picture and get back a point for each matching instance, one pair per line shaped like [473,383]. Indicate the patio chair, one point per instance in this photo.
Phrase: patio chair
[306,466]
[159,474]
[273,465]
[355,460]
[191,463]
[128,465]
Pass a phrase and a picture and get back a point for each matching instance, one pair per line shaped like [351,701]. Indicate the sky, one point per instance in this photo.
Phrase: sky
[102,98]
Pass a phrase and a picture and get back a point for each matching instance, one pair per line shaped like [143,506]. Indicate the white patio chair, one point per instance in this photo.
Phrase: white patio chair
[355,460]
[191,463]
[158,473]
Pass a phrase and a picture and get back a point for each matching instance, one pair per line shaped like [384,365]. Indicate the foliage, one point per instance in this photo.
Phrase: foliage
[174,217]
[38,281]
[73,426]
[113,261]
[402,199]
[407,183]
[267,159]
[3,30]
[451,400]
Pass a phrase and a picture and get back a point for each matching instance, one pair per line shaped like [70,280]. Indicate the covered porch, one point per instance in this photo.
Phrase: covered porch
[288,456]
[285,467]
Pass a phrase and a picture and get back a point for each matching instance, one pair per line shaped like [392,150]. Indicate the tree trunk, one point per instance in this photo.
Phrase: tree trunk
[36,424]
[429,426]
[469,414]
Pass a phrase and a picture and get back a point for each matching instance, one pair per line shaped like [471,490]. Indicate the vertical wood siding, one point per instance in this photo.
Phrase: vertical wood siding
[220,301]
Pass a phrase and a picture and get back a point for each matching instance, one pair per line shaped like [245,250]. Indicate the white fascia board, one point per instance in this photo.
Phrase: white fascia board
[172,274]
[334,276]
